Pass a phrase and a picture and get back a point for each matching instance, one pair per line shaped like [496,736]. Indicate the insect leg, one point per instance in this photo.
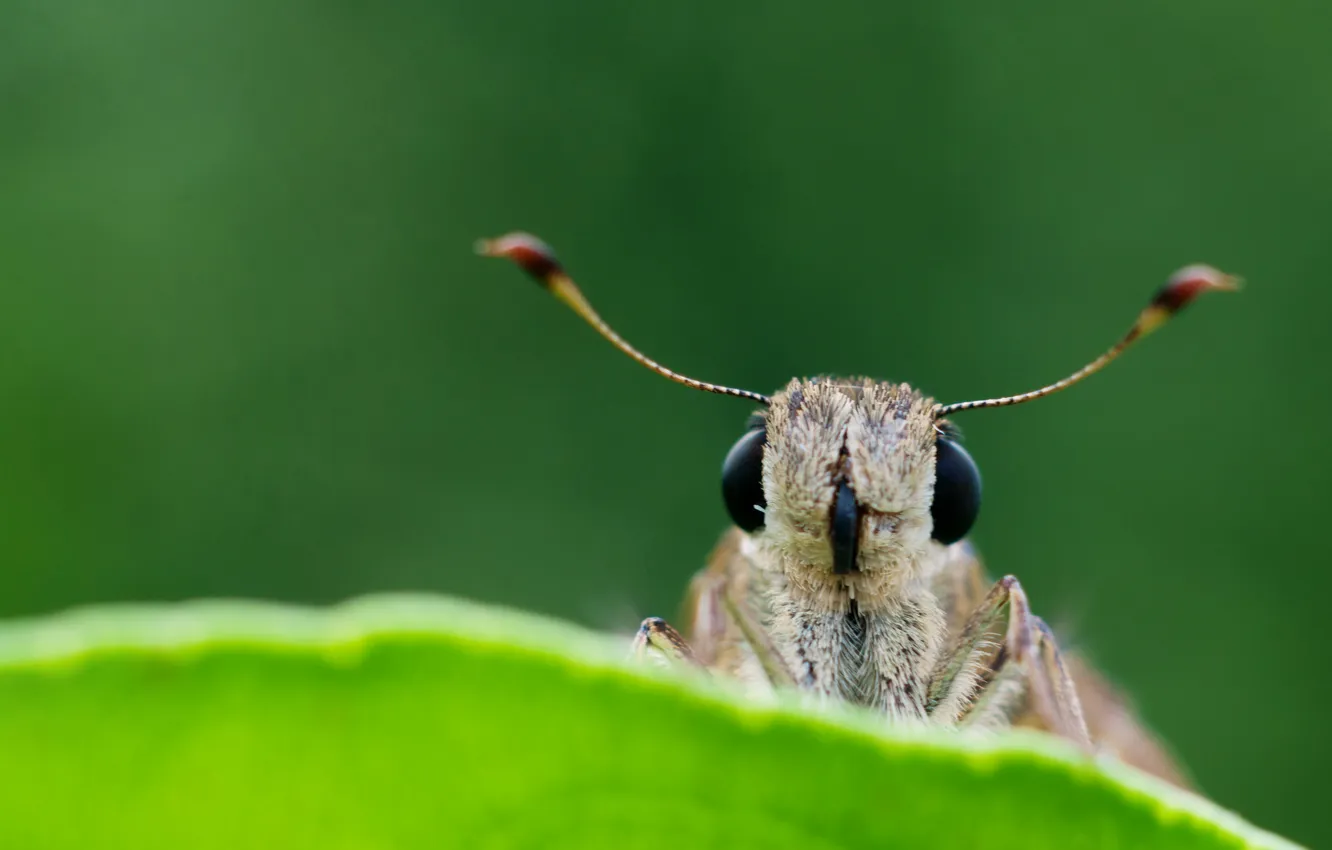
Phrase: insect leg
[658,637]
[1115,726]
[1006,670]
[960,585]
[975,647]
[1051,699]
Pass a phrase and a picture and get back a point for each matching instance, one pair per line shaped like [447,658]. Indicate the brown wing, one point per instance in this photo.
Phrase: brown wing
[1114,725]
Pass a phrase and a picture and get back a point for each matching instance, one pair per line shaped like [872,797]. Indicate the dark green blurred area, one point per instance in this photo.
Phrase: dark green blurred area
[245,349]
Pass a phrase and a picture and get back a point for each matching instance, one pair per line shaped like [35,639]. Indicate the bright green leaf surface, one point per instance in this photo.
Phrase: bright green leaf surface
[418,722]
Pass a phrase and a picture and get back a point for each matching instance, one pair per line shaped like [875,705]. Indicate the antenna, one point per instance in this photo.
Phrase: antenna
[537,259]
[1184,286]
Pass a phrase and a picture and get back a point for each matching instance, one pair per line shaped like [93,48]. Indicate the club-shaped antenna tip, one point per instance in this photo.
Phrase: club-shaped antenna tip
[525,250]
[1190,282]
[1207,277]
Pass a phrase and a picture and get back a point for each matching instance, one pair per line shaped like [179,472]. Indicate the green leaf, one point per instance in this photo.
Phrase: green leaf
[406,722]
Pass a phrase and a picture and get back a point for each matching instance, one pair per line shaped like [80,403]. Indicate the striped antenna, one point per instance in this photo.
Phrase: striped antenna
[537,259]
[1184,286]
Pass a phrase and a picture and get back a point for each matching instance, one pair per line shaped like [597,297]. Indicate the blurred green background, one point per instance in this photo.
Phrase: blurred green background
[245,349]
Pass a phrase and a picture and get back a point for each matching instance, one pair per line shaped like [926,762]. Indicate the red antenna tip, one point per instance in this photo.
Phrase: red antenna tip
[1190,282]
[526,251]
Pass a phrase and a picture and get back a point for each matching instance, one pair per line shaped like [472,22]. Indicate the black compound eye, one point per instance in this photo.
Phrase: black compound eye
[742,480]
[957,492]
